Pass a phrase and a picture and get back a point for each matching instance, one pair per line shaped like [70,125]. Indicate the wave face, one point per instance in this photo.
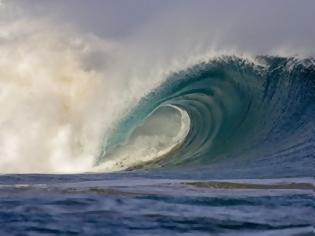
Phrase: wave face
[226,109]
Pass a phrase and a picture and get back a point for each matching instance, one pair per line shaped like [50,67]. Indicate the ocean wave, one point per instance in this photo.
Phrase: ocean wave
[224,109]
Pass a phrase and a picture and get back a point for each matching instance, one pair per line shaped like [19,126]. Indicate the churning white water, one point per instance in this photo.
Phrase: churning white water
[60,93]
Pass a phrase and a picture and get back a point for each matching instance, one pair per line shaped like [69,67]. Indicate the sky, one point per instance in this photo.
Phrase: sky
[259,26]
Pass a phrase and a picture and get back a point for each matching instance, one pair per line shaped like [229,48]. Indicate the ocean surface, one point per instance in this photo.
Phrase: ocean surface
[139,203]
[224,147]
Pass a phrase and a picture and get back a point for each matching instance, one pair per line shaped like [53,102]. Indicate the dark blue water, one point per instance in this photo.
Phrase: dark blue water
[139,203]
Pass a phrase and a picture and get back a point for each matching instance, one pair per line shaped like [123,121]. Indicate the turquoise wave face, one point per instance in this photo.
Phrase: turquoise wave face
[237,109]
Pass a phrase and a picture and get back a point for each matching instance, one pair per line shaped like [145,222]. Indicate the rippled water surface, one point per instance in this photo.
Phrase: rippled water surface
[139,203]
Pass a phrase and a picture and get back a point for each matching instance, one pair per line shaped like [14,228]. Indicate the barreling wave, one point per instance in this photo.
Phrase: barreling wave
[225,109]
